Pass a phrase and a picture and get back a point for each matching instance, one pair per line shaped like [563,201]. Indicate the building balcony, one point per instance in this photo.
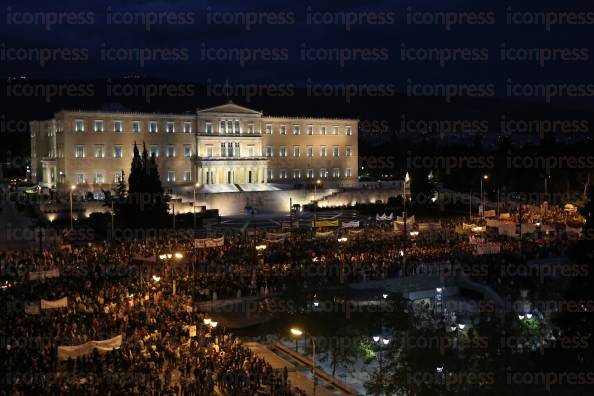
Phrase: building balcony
[225,158]
[229,135]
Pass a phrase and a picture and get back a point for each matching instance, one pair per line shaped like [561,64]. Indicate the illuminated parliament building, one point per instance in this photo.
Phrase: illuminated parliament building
[226,144]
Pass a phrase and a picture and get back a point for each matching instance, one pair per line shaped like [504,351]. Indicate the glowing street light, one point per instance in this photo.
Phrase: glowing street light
[72,188]
[194,204]
[343,239]
[298,333]
[179,256]
[207,321]
[156,278]
[261,247]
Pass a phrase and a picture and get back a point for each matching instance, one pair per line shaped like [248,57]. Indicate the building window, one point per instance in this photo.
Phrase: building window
[117,126]
[98,126]
[187,150]
[283,130]
[188,176]
[237,129]
[268,151]
[153,127]
[348,130]
[170,127]
[268,129]
[136,126]
[117,151]
[170,176]
[209,151]
[80,178]
[251,129]
[170,151]
[296,174]
[79,151]
[323,151]
[250,151]
[335,172]
[296,130]
[117,177]
[79,126]
[335,130]
[349,151]
[222,127]
[283,174]
[223,149]
[283,151]
[309,151]
[99,153]
[154,150]
[296,152]
[310,173]
[322,130]
[237,151]
[310,130]
[229,149]
[348,172]
[335,151]
[323,173]
[99,178]
[187,127]
[269,174]
[208,127]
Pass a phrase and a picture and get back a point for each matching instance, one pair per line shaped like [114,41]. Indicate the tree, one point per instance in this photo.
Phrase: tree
[144,203]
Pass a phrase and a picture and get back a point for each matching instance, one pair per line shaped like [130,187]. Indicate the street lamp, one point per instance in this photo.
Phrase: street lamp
[194,203]
[406,180]
[485,177]
[298,333]
[72,188]
[316,201]
[381,342]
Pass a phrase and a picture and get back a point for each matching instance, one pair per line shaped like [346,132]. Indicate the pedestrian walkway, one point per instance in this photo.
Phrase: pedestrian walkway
[297,378]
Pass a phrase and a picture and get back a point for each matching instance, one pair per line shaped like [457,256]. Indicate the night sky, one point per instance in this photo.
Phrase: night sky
[201,42]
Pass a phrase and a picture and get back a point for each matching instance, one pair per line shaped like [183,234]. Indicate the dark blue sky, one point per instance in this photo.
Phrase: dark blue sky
[372,46]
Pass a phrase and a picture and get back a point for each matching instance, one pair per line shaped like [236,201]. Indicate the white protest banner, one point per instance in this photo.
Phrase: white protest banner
[39,275]
[74,351]
[351,224]
[61,303]
[209,242]
[487,248]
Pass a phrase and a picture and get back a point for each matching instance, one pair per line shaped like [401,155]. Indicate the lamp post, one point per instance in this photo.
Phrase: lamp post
[381,342]
[194,204]
[406,180]
[298,333]
[316,201]
[72,188]
[485,177]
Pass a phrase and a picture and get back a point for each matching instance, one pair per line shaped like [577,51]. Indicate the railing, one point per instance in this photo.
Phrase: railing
[232,158]
[217,134]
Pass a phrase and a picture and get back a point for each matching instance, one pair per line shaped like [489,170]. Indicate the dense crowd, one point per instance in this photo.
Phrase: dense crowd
[125,288]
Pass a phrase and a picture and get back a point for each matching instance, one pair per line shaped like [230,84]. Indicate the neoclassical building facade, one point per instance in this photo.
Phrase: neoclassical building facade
[226,144]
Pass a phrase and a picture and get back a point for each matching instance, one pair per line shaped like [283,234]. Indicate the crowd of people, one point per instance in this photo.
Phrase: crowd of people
[126,288]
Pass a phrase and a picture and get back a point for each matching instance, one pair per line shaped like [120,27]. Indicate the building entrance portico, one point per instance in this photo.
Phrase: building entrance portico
[211,172]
